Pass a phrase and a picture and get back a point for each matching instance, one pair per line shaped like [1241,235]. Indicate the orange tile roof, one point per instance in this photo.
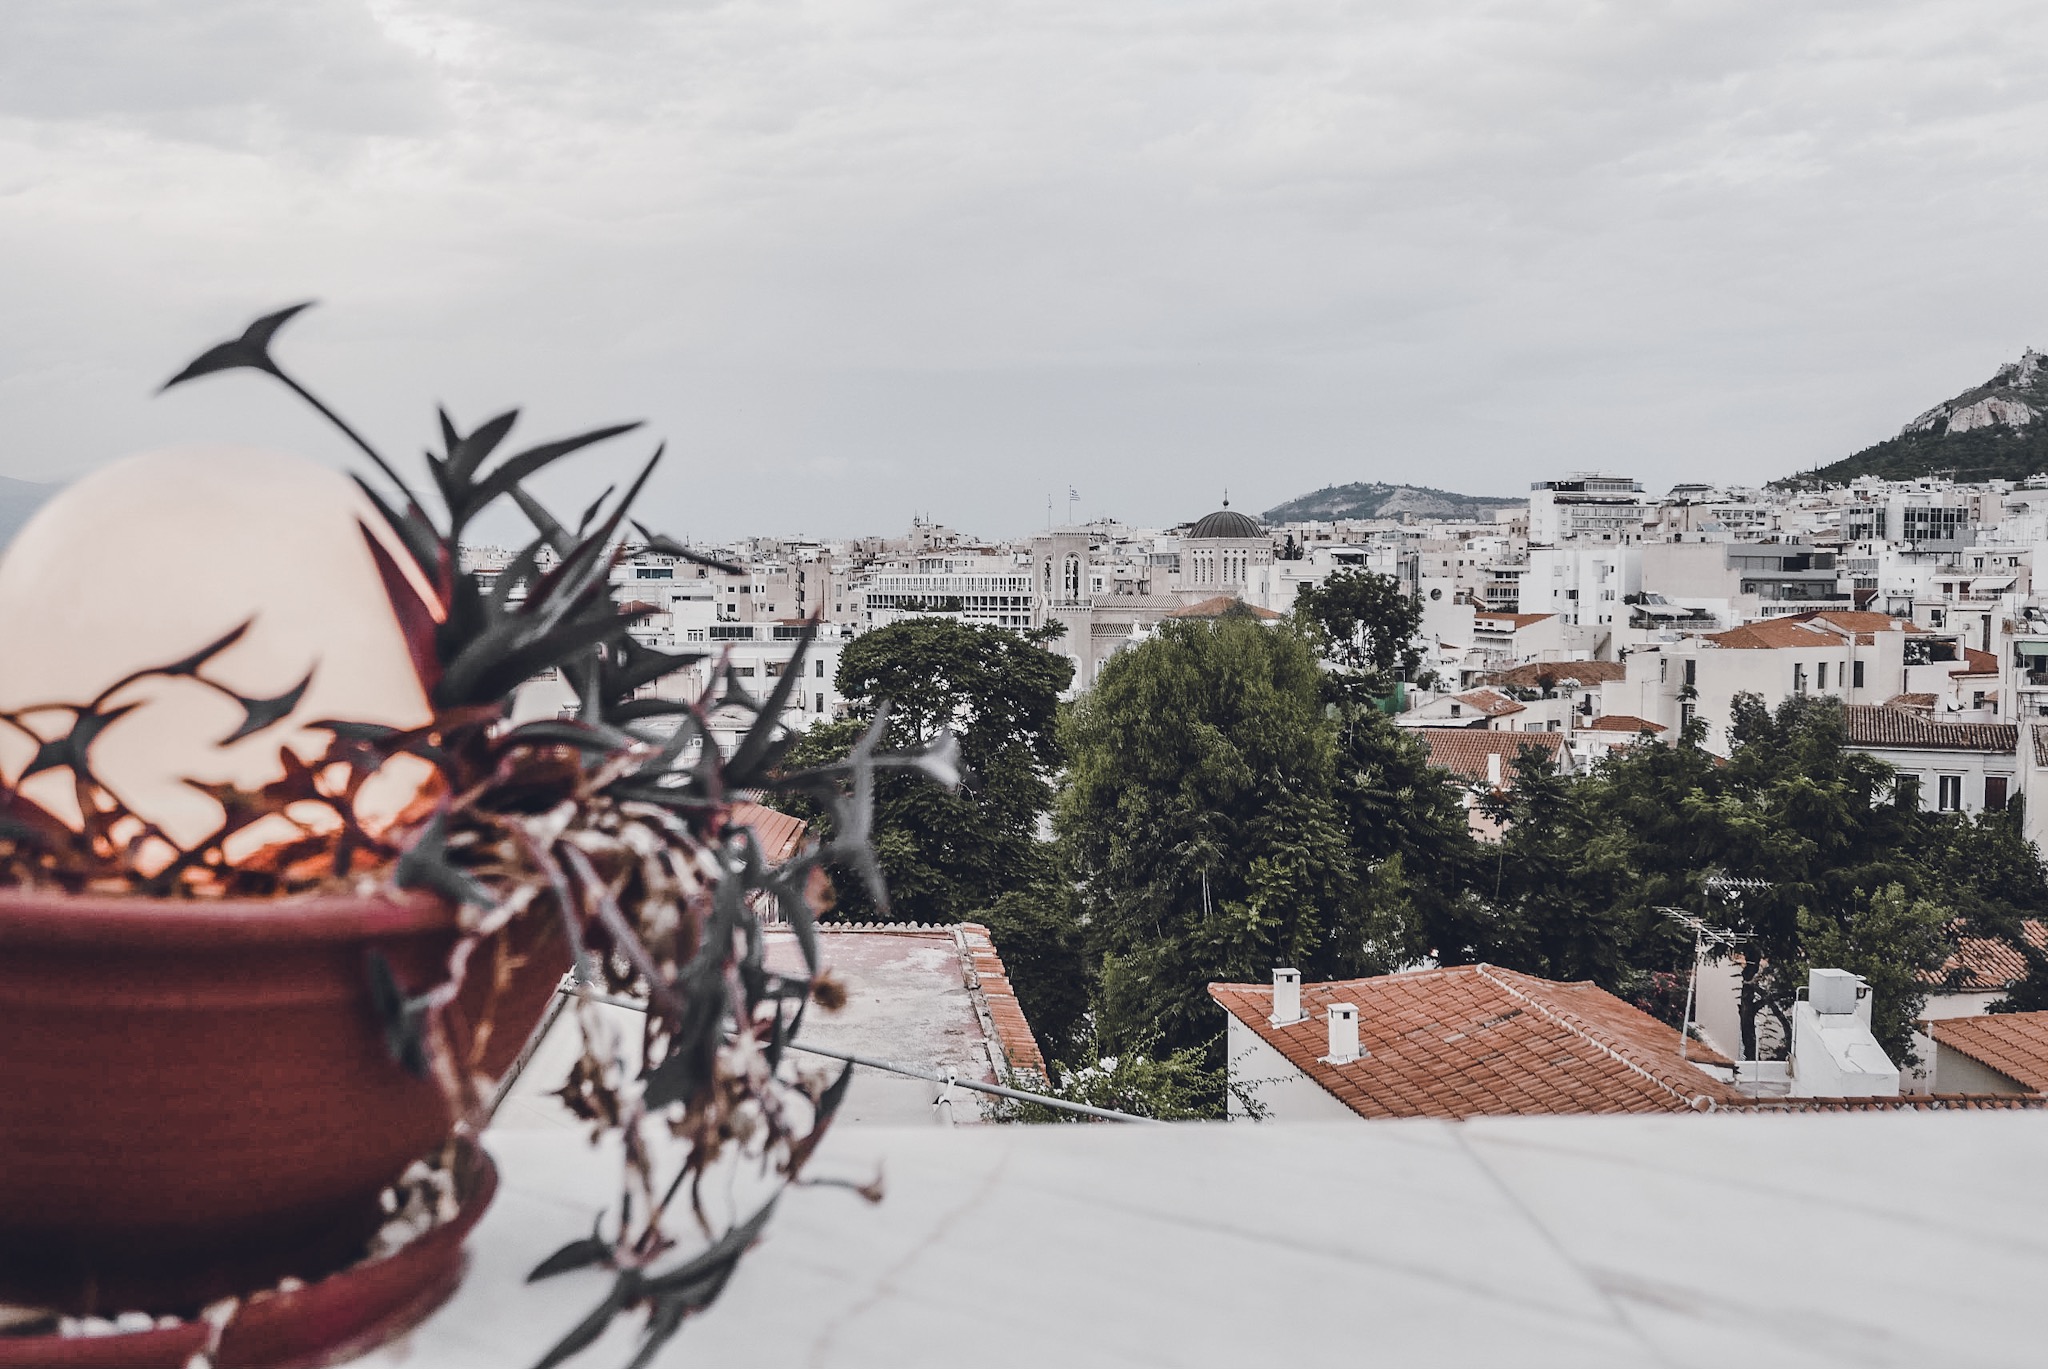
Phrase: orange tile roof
[1013,1029]
[1923,1102]
[1983,963]
[1550,674]
[1852,620]
[1624,722]
[1491,703]
[1518,620]
[1977,662]
[2013,1043]
[1218,606]
[1473,1041]
[1878,725]
[1924,702]
[778,834]
[1463,750]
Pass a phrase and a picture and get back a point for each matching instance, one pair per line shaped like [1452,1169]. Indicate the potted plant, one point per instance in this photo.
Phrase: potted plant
[224,1051]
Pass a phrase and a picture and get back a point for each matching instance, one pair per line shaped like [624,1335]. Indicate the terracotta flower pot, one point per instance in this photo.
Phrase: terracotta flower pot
[196,1098]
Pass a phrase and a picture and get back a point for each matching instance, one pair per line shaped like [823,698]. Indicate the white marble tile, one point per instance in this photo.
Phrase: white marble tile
[1755,1241]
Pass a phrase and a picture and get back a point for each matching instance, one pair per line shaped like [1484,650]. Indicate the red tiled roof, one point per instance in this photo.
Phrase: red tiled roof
[1491,703]
[1781,633]
[2013,1043]
[778,834]
[1463,750]
[1983,963]
[1877,725]
[1849,620]
[1923,1102]
[1623,722]
[1923,702]
[1218,606]
[1473,1040]
[1013,1030]
[1550,674]
[1977,662]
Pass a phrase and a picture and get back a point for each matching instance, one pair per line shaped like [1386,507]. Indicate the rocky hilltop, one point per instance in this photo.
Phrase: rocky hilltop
[1386,501]
[1994,431]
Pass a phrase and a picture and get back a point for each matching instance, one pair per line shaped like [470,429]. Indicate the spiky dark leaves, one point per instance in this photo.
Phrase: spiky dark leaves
[190,665]
[516,469]
[580,1253]
[402,1018]
[625,1290]
[425,865]
[466,455]
[72,750]
[415,619]
[664,545]
[258,714]
[251,349]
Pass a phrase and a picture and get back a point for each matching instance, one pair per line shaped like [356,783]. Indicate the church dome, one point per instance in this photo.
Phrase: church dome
[1226,522]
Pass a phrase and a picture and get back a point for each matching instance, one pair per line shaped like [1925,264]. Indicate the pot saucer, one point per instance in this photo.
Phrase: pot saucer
[338,1318]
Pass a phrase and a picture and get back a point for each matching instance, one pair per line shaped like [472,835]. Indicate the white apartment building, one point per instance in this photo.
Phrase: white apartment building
[1582,584]
[1587,507]
[988,590]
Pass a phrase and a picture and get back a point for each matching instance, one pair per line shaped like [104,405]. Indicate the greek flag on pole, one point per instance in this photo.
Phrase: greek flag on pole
[1073,493]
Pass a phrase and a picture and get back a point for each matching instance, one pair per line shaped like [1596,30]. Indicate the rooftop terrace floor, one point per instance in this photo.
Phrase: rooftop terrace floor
[1809,1240]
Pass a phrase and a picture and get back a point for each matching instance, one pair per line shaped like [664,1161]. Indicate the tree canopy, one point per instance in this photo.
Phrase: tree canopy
[1360,621]
[947,855]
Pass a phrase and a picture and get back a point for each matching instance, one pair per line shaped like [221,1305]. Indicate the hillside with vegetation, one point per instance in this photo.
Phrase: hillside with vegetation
[1378,500]
[1994,431]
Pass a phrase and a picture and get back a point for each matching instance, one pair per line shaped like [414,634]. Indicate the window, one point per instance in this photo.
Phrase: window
[819,706]
[1856,674]
[1457,711]
[1820,680]
[1692,673]
[1994,793]
[1906,792]
[1798,678]
[1073,578]
[1950,794]
[820,668]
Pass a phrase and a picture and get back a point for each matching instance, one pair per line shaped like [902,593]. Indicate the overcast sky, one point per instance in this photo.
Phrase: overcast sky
[860,259]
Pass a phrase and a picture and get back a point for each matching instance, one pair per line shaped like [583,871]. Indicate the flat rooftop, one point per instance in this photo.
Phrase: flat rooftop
[1690,1240]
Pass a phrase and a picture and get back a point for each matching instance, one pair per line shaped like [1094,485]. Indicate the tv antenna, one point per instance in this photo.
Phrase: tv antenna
[1704,934]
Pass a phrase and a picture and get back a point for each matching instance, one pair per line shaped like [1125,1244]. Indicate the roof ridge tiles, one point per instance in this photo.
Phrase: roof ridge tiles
[1577,1026]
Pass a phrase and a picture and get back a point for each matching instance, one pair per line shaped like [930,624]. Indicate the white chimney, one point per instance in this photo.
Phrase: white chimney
[1834,1054]
[1286,997]
[1493,770]
[1343,1034]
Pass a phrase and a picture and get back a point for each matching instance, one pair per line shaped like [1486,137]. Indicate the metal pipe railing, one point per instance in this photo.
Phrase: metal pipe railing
[949,1077]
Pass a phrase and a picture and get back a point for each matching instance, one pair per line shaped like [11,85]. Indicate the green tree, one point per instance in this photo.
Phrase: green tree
[1361,622]
[1038,933]
[1200,821]
[946,855]
[1894,942]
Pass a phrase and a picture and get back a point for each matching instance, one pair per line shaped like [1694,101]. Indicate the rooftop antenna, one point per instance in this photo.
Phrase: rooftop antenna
[1704,934]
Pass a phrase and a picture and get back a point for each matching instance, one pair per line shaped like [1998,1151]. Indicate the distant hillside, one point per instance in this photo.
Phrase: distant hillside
[1994,431]
[1387,501]
[19,499]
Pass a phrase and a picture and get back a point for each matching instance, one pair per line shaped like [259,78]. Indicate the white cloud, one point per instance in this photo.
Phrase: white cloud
[858,258]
